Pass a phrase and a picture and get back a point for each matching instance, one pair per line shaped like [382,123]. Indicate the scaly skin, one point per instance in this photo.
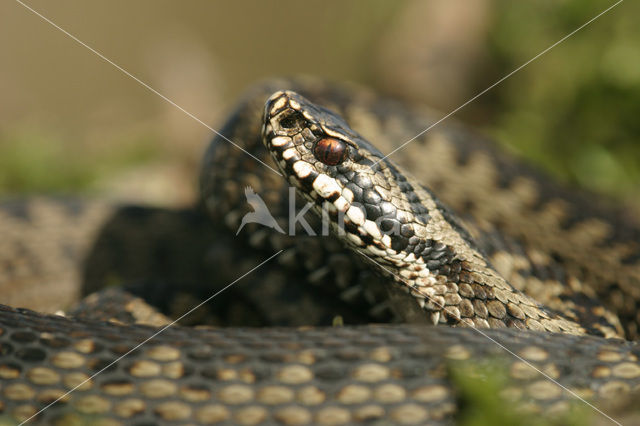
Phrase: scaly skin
[527,227]
[286,375]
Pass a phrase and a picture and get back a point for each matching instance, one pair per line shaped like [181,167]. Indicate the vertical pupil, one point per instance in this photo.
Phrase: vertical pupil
[330,151]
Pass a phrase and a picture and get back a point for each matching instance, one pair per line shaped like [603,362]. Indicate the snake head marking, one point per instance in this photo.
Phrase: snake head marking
[335,168]
[325,133]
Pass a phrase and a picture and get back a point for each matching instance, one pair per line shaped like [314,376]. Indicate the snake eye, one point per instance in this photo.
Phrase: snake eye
[330,151]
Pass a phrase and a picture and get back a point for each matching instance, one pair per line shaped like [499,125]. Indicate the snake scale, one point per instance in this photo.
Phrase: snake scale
[551,275]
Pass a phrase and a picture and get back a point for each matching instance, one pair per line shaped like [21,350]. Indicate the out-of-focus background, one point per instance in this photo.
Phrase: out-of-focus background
[70,122]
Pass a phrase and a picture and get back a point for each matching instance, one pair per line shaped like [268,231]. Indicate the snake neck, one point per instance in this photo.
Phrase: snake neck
[439,264]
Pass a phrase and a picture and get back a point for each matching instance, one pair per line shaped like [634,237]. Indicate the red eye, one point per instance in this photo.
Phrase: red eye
[330,151]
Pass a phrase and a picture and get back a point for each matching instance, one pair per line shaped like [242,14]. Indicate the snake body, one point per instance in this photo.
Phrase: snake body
[536,268]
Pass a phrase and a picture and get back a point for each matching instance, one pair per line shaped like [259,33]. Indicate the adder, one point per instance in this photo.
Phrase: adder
[478,256]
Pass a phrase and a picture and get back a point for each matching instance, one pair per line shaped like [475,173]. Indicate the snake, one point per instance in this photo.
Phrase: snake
[467,253]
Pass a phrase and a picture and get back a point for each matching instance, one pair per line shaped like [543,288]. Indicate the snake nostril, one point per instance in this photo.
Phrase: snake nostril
[291,121]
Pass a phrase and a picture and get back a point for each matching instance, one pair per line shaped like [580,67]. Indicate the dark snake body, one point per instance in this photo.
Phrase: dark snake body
[565,251]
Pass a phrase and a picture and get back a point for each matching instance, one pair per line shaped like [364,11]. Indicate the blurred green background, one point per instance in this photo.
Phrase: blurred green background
[71,122]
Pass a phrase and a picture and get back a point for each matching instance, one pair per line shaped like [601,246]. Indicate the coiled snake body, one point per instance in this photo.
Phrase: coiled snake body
[521,265]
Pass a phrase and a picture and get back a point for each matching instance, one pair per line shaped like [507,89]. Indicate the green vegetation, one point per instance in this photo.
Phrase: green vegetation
[31,162]
[574,111]
[481,389]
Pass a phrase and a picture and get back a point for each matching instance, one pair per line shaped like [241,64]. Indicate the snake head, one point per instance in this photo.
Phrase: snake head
[367,199]
[336,169]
